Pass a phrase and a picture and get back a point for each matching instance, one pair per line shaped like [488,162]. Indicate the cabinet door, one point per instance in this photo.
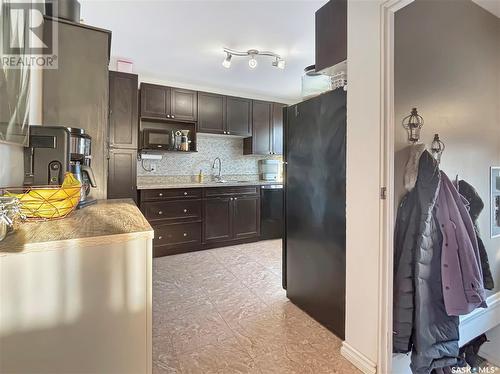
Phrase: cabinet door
[184,105]
[262,116]
[155,101]
[211,113]
[238,116]
[217,219]
[123,108]
[246,217]
[122,174]
[277,129]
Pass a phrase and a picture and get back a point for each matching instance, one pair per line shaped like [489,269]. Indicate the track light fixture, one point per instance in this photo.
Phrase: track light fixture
[279,62]
[227,61]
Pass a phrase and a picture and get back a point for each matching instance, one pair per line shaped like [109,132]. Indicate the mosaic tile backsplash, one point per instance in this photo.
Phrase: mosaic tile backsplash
[228,148]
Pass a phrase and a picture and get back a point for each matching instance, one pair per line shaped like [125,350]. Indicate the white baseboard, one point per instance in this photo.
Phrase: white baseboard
[358,359]
[480,320]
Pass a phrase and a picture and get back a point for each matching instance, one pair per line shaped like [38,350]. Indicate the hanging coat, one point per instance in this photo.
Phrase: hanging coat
[476,206]
[420,321]
[462,277]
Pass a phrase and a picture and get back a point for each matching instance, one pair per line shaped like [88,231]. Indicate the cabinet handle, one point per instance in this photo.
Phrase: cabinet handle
[173,116]
[235,198]
[228,133]
[231,198]
[185,210]
[185,234]
[225,132]
[160,194]
[185,193]
[160,212]
[160,237]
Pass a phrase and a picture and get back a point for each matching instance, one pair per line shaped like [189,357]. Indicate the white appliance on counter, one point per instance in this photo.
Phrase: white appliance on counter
[269,170]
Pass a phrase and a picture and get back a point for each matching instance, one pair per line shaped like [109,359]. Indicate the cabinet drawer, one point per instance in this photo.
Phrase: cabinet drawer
[226,191]
[169,194]
[172,210]
[181,234]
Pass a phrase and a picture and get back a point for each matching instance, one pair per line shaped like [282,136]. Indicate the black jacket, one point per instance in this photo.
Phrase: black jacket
[476,206]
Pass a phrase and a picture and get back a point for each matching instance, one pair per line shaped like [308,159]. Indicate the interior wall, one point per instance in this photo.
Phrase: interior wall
[363,204]
[447,64]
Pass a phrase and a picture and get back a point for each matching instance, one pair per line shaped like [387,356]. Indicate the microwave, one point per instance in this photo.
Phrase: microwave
[156,139]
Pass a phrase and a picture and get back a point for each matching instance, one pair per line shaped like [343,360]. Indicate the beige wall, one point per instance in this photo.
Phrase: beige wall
[447,64]
[363,204]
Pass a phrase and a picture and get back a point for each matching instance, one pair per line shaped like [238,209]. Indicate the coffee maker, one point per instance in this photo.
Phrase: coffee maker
[81,156]
[54,150]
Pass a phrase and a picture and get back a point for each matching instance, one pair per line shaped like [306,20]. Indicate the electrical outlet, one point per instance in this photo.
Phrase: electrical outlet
[153,167]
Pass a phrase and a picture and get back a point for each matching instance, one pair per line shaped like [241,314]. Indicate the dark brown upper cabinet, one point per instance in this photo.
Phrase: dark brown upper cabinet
[211,113]
[168,103]
[331,34]
[184,105]
[238,116]
[123,110]
[267,134]
[155,101]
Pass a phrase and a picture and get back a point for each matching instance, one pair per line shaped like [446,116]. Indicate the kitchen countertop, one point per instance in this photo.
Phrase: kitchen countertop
[108,221]
[167,185]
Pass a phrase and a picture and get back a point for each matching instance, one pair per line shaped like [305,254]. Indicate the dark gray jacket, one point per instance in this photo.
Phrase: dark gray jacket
[420,321]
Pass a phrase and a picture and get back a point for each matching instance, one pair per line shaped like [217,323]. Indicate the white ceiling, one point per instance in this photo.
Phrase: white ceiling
[182,41]
[492,6]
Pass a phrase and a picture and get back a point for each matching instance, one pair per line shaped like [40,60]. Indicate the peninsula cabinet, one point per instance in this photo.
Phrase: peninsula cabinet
[168,103]
[191,219]
[267,129]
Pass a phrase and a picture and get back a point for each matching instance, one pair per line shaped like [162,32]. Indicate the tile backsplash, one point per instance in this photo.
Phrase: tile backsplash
[228,148]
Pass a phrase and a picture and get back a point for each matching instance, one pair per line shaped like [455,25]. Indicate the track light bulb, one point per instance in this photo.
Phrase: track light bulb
[252,62]
[280,64]
[227,61]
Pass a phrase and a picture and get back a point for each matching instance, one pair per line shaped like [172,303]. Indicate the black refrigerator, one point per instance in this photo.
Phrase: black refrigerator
[315,208]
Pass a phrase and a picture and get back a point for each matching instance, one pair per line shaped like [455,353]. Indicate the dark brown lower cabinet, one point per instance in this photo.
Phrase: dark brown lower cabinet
[217,219]
[184,222]
[246,216]
[122,174]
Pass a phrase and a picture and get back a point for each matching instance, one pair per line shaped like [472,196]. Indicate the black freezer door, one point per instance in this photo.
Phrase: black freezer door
[315,203]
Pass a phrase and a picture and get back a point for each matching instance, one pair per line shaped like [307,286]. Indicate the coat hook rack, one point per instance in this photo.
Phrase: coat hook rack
[437,148]
[413,123]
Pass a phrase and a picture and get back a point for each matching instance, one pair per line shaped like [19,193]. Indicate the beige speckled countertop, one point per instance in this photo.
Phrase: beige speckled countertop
[150,186]
[153,183]
[108,221]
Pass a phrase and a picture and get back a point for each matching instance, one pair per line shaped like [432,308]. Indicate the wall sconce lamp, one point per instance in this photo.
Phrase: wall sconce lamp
[413,123]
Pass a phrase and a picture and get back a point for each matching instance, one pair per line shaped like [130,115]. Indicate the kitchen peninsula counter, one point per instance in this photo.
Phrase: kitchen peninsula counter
[104,222]
[75,288]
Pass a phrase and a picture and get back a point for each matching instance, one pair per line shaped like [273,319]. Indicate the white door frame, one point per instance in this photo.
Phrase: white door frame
[387,13]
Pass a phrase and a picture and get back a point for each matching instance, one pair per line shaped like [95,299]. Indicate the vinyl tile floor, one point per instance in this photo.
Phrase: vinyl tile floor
[223,311]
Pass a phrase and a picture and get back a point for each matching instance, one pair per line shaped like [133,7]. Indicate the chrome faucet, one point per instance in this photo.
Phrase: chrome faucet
[218,178]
